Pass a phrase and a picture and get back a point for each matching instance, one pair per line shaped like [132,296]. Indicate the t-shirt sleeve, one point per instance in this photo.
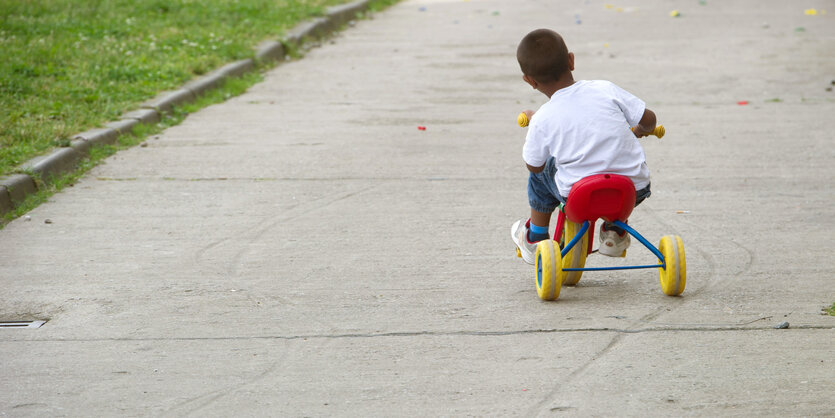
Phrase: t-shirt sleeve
[631,106]
[535,152]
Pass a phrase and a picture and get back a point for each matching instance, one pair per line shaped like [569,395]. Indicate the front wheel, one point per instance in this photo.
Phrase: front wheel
[673,277]
[548,280]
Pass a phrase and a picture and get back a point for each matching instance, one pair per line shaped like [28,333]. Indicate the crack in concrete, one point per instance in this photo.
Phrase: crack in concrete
[297,179]
[453,333]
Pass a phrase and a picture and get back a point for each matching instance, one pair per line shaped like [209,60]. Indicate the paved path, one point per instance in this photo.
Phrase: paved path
[305,250]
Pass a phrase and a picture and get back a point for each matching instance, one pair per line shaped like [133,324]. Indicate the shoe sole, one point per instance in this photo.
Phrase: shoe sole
[518,246]
[617,254]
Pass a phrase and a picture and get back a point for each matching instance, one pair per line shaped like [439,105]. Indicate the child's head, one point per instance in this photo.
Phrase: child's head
[543,57]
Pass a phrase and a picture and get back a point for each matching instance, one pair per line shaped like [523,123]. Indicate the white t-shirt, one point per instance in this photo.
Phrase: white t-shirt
[586,127]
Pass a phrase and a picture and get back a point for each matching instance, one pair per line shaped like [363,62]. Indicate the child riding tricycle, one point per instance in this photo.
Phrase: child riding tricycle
[584,158]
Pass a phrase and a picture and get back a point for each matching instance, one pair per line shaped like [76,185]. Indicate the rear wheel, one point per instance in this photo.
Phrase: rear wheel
[576,258]
[673,277]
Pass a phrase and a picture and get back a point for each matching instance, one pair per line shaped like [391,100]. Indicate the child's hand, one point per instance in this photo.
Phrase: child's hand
[648,119]
[524,118]
[640,132]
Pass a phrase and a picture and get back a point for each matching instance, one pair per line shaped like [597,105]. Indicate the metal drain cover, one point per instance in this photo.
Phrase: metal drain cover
[21,324]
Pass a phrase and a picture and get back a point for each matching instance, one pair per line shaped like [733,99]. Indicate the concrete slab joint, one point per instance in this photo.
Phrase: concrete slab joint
[6,205]
[18,186]
[81,146]
[122,126]
[146,116]
[269,51]
[53,165]
[99,136]
[166,101]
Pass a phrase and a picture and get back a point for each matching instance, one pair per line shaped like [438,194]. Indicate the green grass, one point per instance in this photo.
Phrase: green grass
[68,66]
[232,87]
[830,310]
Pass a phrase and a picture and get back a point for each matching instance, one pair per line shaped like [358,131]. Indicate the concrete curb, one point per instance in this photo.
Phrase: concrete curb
[18,186]
[217,77]
[348,11]
[99,136]
[318,28]
[85,140]
[315,29]
[203,84]
[6,204]
[165,101]
[270,51]
[345,13]
[15,188]
[122,126]
[52,165]
[238,68]
[145,116]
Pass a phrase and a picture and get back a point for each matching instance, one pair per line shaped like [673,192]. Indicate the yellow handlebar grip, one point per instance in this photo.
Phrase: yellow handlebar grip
[522,120]
[659,131]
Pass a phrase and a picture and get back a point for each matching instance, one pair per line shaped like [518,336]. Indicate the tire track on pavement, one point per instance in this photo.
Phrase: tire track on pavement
[635,326]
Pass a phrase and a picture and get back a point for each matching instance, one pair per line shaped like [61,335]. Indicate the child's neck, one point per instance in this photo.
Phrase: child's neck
[565,81]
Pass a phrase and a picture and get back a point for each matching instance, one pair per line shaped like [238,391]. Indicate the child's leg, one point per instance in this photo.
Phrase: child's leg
[539,226]
[540,218]
[543,199]
[640,196]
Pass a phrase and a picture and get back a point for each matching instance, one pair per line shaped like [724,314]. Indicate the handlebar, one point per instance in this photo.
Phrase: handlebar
[522,120]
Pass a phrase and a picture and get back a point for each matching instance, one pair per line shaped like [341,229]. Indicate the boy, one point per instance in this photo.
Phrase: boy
[584,129]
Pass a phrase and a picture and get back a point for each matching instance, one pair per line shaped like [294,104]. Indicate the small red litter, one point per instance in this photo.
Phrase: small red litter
[421,128]
[742,103]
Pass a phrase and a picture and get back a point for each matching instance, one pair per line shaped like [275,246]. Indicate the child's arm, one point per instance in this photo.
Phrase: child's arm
[646,125]
[528,115]
[535,170]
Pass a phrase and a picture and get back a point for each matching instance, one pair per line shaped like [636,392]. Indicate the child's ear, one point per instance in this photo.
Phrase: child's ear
[528,79]
[571,61]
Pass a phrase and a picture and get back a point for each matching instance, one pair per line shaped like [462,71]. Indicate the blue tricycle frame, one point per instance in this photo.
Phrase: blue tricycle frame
[609,197]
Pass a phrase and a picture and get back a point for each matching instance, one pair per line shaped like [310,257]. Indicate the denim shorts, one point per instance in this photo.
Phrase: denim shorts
[544,197]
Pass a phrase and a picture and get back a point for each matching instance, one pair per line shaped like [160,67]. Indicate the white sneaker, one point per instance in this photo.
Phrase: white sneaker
[612,244]
[519,234]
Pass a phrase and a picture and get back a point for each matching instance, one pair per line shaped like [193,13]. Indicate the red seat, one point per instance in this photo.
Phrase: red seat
[607,196]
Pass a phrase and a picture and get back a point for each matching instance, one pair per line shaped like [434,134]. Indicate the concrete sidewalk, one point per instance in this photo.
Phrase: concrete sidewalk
[305,250]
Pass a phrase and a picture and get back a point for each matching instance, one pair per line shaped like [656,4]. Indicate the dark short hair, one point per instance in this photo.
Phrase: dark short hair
[542,54]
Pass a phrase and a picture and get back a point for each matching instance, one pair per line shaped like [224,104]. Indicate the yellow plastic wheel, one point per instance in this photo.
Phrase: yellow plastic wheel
[548,270]
[576,258]
[674,276]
